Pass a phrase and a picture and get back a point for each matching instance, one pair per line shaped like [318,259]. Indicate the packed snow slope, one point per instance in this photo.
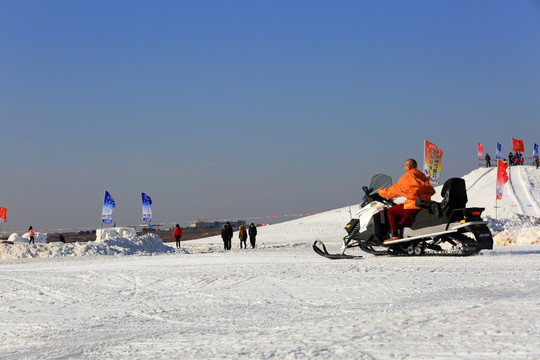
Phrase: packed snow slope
[521,194]
[515,219]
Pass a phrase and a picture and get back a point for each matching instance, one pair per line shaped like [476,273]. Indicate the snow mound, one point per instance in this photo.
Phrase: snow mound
[115,246]
[512,222]
[39,237]
[518,229]
[527,236]
[125,232]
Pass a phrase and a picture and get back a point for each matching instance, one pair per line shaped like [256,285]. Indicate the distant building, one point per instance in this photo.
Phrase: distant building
[150,227]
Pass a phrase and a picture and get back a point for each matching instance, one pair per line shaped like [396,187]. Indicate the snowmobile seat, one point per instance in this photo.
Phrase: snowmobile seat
[454,195]
[433,207]
[430,215]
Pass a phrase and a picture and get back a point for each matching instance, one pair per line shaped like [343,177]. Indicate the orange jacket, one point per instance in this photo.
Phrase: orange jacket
[177,232]
[411,185]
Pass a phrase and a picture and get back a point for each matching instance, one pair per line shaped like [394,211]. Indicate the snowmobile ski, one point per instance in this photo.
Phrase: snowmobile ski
[320,249]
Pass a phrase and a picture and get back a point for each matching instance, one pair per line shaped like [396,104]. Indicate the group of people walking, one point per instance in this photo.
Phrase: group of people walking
[227,235]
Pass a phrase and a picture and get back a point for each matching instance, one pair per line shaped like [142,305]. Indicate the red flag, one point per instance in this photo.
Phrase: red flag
[3,212]
[517,145]
[502,178]
[480,151]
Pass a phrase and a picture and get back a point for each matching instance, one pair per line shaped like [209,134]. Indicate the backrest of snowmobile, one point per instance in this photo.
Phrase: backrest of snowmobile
[454,193]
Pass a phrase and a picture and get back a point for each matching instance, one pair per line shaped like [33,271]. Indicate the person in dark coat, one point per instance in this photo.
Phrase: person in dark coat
[252,234]
[226,235]
[510,159]
[61,238]
[517,158]
[488,160]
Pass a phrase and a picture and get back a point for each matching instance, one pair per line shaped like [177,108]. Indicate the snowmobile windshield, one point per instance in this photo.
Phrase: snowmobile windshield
[379,181]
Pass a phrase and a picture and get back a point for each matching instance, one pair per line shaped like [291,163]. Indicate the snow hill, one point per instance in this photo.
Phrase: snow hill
[521,194]
[515,220]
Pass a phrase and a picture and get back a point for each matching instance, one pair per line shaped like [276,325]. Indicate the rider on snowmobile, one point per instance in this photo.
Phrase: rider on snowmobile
[411,185]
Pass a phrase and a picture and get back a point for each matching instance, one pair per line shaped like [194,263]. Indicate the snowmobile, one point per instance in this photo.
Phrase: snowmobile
[445,228]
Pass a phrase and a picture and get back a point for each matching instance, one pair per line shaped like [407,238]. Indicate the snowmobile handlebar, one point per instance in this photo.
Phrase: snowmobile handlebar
[374,196]
[386,201]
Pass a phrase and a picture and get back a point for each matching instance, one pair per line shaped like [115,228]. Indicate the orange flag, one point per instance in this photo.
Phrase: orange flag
[432,162]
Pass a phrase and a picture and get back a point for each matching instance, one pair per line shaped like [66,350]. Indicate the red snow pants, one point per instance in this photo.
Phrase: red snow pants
[398,217]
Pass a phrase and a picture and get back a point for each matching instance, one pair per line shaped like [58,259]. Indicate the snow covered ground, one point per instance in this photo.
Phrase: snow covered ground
[280,300]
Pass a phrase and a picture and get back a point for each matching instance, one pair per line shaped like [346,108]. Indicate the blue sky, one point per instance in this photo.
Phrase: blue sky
[226,109]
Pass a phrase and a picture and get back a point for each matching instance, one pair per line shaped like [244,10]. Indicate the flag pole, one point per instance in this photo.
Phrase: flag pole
[101,222]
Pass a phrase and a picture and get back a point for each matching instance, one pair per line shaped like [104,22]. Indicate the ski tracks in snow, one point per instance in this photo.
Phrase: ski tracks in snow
[277,304]
[480,179]
[519,184]
[526,184]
